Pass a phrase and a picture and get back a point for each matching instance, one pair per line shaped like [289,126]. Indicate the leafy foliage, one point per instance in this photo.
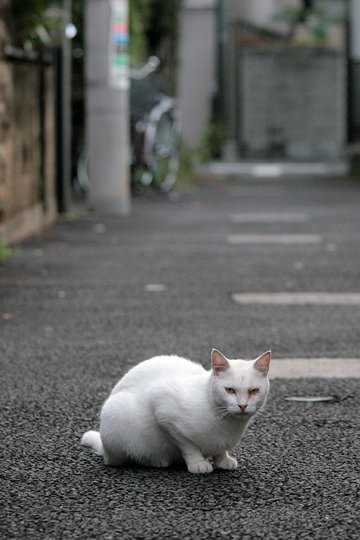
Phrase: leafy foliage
[139,17]
[153,26]
[162,37]
[212,142]
[154,31]
[34,26]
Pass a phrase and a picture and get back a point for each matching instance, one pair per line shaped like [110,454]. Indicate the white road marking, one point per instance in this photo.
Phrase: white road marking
[273,239]
[273,170]
[254,191]
[298,299]
[267,170]
[269,217]
[294,368]
[155,287]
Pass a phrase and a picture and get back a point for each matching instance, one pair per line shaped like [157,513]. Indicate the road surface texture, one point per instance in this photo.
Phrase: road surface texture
[89,298]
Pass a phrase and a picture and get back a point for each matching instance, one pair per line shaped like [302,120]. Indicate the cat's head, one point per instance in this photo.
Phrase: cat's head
[239,386]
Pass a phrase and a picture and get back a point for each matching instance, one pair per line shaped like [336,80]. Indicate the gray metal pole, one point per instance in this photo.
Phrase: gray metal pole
[107,104]
[62,62]
[66,51]
[354,70]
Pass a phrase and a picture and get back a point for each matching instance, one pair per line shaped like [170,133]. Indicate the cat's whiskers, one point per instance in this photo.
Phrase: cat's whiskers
[222,412]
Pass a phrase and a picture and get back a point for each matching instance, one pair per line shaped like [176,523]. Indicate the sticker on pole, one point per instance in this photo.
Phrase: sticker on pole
[119,44]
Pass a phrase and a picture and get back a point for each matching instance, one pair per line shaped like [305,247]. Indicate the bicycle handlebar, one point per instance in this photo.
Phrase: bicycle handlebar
[149,67]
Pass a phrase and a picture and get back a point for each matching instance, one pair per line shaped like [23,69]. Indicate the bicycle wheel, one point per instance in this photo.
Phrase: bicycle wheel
[162,144]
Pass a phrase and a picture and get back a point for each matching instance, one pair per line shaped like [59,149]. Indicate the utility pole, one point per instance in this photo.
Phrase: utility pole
[107,105]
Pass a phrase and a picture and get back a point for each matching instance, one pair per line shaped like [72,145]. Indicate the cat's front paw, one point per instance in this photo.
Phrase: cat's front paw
[226,462]
[200,467]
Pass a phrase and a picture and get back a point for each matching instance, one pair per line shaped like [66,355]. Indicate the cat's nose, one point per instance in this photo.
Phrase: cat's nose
[242,407]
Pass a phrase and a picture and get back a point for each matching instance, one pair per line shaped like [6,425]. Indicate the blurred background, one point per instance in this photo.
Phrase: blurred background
[100,99]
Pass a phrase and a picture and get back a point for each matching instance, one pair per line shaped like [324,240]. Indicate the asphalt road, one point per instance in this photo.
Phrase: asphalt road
[78,307]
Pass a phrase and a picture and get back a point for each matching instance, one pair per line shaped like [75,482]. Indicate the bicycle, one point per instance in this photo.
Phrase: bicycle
[155,132]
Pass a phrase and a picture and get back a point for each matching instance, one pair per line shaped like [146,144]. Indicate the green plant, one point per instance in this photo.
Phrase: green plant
[355,166]
[211,143]
[37,23]
[187,168]
[154,31]
[163,36]
[294,15]
[139,15]
[5,251]
[317,20]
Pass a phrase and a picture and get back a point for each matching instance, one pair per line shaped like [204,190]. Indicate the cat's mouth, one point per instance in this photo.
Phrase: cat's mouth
[243,413]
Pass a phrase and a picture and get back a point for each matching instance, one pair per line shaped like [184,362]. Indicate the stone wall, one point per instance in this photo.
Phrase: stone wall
[27,179]
[6,131]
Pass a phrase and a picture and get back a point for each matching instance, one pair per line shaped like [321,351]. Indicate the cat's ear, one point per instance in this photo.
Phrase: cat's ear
[218,362]
[262,363]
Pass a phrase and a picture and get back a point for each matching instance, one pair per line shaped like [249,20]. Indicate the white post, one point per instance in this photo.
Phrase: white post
[107,104]
[354,69]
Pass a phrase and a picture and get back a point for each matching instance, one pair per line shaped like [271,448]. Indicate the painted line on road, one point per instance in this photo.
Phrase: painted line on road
[298,299]
[155,287]
[274,239]
[295,368]
[269,217]
[273,170]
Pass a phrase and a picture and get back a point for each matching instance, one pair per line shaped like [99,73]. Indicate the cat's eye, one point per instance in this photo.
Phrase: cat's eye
[230,390]
[253,391]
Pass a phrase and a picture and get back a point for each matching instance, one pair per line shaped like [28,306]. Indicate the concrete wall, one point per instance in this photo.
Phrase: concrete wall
[197,66]
[293,103]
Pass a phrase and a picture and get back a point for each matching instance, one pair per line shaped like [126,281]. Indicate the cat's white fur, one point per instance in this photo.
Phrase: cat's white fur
[169,409]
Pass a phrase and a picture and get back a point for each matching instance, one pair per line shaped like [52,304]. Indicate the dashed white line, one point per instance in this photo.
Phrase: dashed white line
[298,299]
[269,217]
[274,239]
[294,368]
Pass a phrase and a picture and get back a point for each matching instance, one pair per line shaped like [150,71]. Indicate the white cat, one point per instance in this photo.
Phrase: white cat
[169,410]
